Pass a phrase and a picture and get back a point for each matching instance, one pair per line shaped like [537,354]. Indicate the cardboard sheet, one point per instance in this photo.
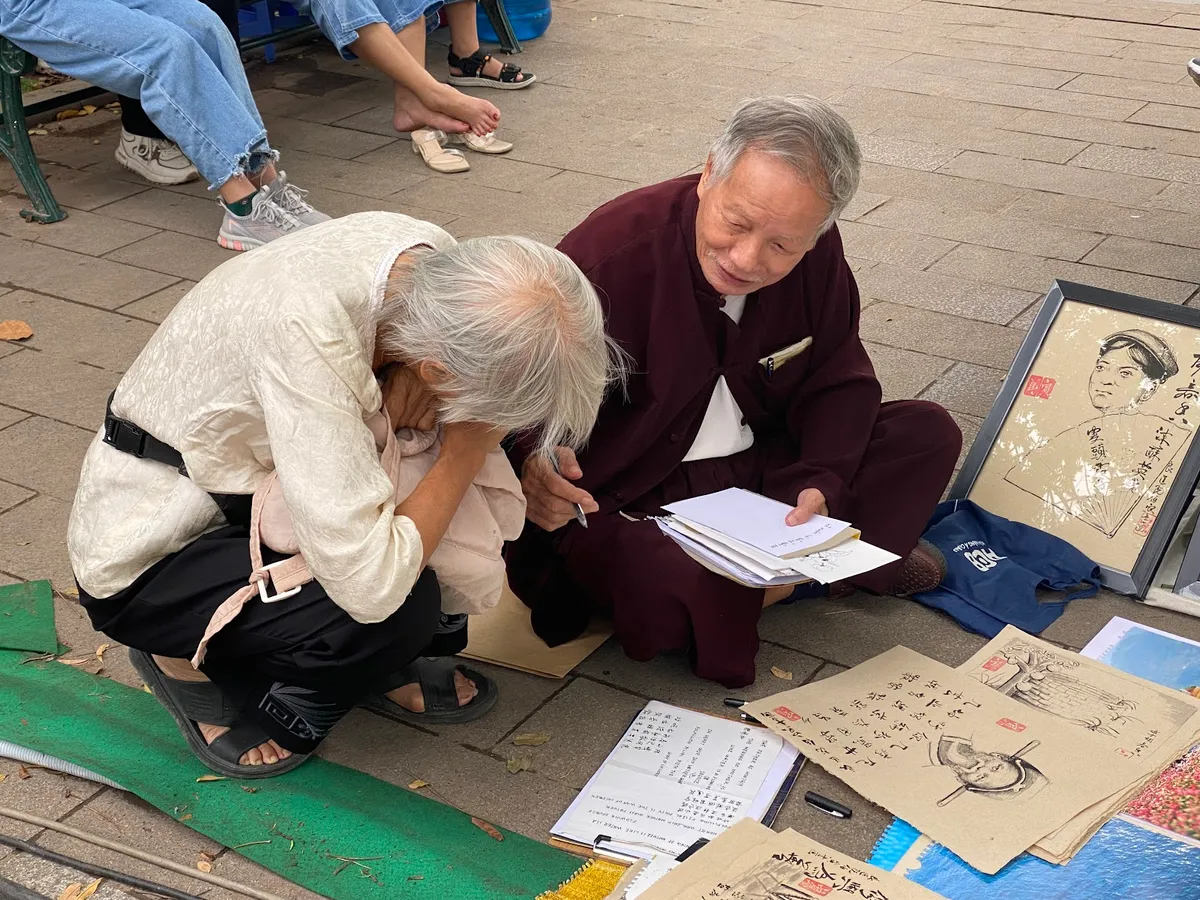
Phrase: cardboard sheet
[504,636]
[979,772]
[751,862]
[1138,720]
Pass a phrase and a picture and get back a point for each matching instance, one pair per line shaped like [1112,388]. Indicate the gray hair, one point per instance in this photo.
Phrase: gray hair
[518,329]
[806,133]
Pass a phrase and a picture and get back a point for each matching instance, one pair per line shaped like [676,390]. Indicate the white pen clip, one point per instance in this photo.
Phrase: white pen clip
[775,360]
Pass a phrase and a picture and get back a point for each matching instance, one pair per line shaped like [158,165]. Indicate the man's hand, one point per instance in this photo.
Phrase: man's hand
[811,502]
[549,496]
[409,402]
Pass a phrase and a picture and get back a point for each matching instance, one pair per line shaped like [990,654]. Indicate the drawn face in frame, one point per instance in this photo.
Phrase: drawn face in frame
[1095,488]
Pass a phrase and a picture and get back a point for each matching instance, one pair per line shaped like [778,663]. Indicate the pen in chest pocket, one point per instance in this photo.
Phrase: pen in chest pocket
[779,357]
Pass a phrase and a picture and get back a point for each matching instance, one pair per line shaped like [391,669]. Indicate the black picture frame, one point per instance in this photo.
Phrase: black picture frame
[1136,581]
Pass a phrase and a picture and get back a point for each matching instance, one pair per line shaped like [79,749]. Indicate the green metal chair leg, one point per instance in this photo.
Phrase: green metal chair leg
[14,137]
[500,24]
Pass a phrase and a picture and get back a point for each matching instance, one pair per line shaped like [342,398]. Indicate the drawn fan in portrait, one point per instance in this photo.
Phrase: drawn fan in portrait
[1091,438]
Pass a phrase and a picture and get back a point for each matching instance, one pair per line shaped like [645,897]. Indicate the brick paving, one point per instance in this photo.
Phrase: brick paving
[1007,144]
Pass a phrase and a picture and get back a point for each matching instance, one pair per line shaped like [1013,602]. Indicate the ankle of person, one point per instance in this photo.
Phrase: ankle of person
[243,207]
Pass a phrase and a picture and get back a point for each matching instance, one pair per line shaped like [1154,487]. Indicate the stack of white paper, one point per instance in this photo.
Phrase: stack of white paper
[745,537]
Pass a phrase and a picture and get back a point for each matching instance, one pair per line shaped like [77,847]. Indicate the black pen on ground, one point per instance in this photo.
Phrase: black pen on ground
[737,703]
[827,806]
[579,514]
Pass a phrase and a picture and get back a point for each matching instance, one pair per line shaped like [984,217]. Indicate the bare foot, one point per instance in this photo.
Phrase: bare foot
[182,670]
[411,114]
[268,753]
[411,698]
[480,116]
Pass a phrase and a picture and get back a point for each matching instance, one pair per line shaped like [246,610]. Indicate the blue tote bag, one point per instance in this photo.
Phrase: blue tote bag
[995,567]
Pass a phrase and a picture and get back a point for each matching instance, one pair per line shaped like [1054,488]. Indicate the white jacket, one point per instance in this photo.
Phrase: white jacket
[264,365]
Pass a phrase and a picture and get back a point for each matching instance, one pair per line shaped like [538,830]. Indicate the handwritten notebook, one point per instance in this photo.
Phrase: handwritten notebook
[677,776]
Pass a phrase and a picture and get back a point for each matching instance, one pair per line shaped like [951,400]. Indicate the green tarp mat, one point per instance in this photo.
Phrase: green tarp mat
[27,617]
[311,815]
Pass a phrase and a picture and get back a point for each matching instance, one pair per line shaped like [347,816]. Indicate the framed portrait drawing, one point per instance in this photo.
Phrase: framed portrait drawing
[1092,436]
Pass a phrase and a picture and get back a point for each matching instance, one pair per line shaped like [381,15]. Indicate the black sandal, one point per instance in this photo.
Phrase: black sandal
[436,677]
[512,78]
[192,702]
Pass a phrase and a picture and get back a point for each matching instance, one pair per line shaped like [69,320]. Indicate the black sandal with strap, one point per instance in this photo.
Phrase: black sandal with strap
[512,78]
[436,677]
[191,702]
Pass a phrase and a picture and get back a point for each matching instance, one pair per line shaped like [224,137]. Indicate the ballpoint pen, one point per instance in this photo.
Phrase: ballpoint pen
[579,515]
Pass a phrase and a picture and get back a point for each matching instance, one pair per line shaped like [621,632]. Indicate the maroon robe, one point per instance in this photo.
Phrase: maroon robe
[817,420]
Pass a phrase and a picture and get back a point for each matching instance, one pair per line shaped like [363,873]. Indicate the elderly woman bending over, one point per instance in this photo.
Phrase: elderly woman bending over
[265,383]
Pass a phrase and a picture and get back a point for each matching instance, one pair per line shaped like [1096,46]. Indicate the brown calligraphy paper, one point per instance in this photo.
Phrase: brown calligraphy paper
[751,862]
[1137,719]
[979,772]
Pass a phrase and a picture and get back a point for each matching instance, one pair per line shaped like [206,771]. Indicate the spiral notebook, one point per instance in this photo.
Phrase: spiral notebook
[677,776]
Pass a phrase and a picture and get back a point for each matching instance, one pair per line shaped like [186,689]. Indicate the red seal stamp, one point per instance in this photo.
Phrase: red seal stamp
[815,887]
[1039,386]
[995,664]
[786,713]
[1011,725]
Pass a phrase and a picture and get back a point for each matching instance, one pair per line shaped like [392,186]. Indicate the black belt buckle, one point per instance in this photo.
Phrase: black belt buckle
[125,436]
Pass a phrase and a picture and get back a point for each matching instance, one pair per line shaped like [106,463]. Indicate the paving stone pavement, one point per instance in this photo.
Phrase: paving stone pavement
[1008,142]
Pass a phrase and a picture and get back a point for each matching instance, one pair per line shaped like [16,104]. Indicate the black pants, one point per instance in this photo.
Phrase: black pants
[294,667]
[133,117]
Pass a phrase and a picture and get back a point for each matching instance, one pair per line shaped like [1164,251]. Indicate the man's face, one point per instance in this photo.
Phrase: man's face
[755,225]
[990,770]
[1118,382]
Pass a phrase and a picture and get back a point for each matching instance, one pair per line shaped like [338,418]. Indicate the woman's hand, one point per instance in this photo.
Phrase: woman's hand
[410,404]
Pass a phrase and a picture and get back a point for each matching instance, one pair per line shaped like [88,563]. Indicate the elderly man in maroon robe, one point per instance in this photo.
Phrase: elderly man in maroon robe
[705,279]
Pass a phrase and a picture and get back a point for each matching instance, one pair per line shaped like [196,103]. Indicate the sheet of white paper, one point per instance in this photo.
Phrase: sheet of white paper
[677,776]
[724,558]
[843,562]
[756,520]
[1116,629]
[725,544]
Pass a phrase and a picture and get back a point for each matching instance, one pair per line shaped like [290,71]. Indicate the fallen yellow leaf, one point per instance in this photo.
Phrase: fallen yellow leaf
[2,777]
[532,739]
[100,652]
[517,764]
[37,131]
[146,688]
[71,892]
[418,784]
[211,778]
[204,865]
[781,673]
[68,114]
[76,662]
[89,890]
[22,772]
[15,330]
[88,109]
[491,830]
[70,594]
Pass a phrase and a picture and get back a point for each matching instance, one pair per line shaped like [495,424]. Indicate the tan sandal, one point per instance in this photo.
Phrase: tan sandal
[428,143]
[489,143]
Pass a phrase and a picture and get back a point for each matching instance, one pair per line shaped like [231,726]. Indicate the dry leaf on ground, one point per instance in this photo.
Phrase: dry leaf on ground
[15,330]
[70,594]
[517,764]
[532,739]
[71,892]
[781,673]
[2,777]
[491,830]
[37,131]
[100,651]
[211,778]
[89,890]
[22,772]
[203,865]
[418,784]
[76,662]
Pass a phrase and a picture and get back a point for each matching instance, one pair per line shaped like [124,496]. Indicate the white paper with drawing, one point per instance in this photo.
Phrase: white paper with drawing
[979,772]
[1138,720]
[677,776]
[759,522]
[751,862]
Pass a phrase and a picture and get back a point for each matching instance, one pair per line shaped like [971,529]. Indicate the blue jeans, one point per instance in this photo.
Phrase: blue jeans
[175,56]
[339,20]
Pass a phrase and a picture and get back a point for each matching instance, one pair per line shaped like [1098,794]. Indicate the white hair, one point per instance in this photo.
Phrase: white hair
[806,133]
[518,329]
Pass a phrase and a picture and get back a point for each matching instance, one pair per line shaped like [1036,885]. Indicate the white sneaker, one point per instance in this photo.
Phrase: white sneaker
[266,221]
[155,159]
[293,200]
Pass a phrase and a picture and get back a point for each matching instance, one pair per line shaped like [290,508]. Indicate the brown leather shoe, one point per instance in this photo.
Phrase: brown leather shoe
[922,570]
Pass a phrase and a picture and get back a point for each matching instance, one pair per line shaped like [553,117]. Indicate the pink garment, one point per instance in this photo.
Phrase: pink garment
[468,560]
